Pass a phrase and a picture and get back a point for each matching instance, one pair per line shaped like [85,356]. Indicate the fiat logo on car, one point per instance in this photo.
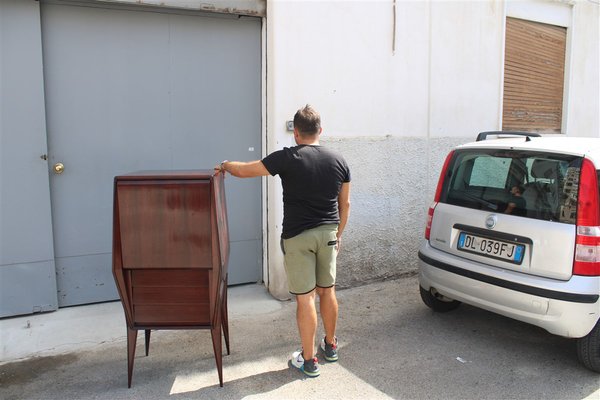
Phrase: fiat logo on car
[490,221]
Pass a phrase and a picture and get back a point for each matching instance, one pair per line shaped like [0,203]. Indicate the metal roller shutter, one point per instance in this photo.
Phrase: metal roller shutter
[534,68]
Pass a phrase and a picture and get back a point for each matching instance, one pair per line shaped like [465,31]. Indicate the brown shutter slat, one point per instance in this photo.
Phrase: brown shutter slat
[533,76]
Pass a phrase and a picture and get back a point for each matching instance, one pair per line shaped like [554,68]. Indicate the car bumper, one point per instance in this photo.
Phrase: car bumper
[566,308]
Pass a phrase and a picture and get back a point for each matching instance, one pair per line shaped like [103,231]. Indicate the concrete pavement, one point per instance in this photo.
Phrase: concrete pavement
[391,346]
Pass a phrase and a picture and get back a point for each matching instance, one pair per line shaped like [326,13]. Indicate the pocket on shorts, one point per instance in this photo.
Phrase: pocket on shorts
[333,239]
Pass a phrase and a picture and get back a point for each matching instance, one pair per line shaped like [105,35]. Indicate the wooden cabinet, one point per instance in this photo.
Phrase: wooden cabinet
[170,254]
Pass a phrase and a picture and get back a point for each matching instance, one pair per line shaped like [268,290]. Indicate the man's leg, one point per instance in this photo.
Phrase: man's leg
[300,261]
[306,316]
[329,311]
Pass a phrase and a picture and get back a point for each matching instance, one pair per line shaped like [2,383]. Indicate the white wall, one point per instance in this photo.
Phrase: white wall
[584,78]
[466,66]
[395,114]
[338,56]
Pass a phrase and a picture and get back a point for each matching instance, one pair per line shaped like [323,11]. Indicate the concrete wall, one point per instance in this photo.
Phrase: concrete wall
[395,94]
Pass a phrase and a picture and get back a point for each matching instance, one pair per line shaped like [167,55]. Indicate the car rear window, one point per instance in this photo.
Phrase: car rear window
[528,184]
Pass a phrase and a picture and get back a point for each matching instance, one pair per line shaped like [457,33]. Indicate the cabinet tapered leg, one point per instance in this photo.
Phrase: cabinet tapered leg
[218,347]
[225,319]
[147,340]
[131,342]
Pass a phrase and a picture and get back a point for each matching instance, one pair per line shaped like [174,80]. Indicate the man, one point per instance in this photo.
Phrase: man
[516,203]
[316,205]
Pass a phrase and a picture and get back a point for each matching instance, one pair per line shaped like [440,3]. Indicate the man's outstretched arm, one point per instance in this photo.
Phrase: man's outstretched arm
[240,169]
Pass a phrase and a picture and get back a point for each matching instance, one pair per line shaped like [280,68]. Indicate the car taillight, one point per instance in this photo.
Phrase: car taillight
[438,194]
[587,242]
[438,190]
[429,219]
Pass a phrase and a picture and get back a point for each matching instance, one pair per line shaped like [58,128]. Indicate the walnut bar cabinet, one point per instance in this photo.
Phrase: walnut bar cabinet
[170,255]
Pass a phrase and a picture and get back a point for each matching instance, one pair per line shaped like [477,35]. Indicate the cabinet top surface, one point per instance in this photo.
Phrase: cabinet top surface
[167,174]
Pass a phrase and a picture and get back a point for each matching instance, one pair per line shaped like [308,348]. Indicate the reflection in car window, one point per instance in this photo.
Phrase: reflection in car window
[529,184]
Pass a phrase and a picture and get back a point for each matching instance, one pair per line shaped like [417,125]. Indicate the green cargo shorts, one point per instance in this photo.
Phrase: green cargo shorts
[310,259]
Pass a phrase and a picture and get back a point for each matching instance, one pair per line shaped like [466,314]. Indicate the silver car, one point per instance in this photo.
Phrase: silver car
[515,229]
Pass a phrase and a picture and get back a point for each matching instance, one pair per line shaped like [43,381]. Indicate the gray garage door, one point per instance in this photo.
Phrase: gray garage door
[130,89]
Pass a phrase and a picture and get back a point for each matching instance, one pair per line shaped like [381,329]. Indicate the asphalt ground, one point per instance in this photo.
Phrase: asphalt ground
[390,346]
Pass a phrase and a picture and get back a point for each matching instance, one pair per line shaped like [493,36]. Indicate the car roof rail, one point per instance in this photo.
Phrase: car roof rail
[528,135]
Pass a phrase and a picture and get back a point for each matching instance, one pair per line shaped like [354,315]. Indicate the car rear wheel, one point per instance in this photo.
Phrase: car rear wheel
[438,302]
[588,349]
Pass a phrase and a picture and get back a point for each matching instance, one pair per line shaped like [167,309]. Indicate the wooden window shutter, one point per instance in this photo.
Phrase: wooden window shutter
[534,68]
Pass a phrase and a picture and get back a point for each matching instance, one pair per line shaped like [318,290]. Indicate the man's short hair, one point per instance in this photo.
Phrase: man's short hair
[307,120]
[520,188]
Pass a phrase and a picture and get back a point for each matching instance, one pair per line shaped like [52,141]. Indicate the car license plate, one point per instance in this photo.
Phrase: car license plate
[511,252]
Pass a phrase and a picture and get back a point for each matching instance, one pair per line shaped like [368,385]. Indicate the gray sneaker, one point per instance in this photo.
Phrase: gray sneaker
[330,350]
[309,367]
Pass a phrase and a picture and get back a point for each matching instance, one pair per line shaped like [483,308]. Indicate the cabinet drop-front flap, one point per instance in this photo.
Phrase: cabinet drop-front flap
[165,224]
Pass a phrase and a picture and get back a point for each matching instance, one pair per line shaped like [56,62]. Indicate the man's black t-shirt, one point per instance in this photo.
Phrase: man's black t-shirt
[519,209]
[311,177]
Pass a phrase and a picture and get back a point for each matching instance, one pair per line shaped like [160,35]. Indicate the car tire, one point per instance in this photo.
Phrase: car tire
[437,304]
[588,349]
